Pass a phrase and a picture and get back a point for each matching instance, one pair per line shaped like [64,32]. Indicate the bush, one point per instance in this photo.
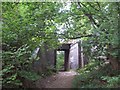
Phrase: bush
[97,75]
[16,65]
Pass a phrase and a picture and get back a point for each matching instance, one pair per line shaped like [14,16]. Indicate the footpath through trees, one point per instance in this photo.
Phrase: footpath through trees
[59,80]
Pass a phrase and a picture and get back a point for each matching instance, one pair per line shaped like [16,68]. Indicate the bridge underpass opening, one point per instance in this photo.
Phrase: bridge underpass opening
[60,60]
[64,48]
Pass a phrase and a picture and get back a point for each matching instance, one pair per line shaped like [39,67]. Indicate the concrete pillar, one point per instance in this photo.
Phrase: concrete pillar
[82,56]
[66,63]
[74,56]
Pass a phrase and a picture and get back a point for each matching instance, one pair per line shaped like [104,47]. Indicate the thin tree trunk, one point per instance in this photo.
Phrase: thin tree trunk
[113,60]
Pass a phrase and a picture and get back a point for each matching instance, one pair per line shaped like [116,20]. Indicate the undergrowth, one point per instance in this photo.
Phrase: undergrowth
[97,75]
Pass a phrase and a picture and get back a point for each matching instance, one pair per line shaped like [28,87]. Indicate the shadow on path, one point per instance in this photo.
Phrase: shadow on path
[59,80]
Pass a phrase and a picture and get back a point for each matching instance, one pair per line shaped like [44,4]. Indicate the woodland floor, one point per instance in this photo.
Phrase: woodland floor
[59,80]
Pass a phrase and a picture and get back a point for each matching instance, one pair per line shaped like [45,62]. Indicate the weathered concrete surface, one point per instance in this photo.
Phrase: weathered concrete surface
[74,56]
[46,59]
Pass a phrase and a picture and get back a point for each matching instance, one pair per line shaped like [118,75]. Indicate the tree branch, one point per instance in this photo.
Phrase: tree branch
[89,15]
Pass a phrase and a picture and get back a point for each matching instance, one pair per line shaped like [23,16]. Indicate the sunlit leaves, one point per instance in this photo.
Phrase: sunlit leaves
[36,24]
[26,26]
[98,19]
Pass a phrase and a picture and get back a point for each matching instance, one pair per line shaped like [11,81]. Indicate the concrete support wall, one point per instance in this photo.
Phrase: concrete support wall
[47,59]
[82,56]
[74,56]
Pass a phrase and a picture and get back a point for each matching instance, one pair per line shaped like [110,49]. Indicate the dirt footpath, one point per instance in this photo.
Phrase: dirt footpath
[59,80]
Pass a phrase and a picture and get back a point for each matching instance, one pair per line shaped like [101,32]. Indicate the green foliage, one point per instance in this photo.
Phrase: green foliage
[29,75]
[14,65]
[60,60]
[96,75]
[99,20]
[112,81]
[26,26]
[12,81]
[48,72]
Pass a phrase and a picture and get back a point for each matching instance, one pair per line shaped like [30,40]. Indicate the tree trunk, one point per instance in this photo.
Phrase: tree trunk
[113,60]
